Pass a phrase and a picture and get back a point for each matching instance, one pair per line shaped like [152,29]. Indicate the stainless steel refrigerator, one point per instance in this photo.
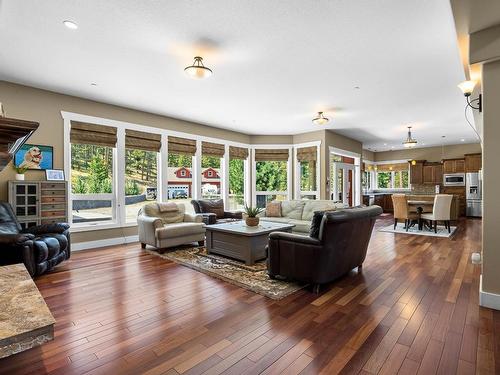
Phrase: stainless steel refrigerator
[474,194]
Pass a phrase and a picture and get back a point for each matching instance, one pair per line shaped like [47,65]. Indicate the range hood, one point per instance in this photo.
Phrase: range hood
[13,134]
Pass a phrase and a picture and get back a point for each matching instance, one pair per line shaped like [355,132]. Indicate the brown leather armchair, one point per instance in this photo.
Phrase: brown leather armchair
[40,248]
[341,246]
[213,211]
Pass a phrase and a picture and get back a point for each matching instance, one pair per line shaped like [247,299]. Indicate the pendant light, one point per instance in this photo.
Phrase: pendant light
[409,142]
[198,70]
[320,119]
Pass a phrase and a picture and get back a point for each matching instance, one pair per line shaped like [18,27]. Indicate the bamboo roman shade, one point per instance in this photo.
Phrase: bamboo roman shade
[238,152]
[212,149]
[92,134]
[182,146]
[397,167]
[142,140]
[307,154]
[271,155]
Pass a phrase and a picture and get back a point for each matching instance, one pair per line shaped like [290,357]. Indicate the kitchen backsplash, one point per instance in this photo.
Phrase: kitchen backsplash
[423,189]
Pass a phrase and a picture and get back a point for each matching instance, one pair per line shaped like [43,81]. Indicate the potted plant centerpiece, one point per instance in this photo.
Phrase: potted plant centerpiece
[252,220]
[20,171]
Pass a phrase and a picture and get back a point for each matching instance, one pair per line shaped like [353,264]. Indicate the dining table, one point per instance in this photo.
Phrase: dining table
[419,207]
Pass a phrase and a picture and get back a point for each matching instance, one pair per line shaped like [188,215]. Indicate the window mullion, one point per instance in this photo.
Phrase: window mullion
[119,177]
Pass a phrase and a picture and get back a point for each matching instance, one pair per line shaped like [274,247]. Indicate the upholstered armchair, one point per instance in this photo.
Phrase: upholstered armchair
[40,248]
[213,211]
[401,210]
[163,225]
[338,246]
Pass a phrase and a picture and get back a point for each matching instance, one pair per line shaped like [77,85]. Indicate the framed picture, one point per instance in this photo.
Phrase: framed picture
[54,174]
[35,157]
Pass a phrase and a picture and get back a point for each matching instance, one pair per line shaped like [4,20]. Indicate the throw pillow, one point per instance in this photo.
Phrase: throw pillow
[215,206]
[273,209]
[316,222]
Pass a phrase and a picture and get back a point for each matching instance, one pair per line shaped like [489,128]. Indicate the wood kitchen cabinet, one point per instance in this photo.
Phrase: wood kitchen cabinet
[417,173]
[454,166]
[473,162]
[433,173]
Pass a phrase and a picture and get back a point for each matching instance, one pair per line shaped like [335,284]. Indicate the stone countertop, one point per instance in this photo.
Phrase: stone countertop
[22,308]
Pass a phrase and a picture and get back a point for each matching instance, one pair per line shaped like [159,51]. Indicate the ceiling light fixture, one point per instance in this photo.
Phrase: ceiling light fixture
[409,142]
[70,25]
[198,70]
[320,119]
[467,88]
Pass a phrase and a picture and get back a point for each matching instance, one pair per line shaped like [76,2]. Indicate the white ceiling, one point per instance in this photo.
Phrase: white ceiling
[275,63]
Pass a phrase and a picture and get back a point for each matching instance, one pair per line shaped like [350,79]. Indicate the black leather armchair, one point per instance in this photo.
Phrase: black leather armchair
[40,248]
[341,246]
[213,212]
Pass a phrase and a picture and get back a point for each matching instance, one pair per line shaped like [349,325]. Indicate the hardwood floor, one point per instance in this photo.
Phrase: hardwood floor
[412,310]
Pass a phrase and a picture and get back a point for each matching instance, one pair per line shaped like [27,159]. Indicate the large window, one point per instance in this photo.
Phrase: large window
[271,175]
[237,162]
[307,172]
[91,155]
[392,176]
[180,177]
[141,174]
[211,158]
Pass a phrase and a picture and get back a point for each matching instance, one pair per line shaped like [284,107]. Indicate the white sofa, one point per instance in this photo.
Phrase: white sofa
[300,213]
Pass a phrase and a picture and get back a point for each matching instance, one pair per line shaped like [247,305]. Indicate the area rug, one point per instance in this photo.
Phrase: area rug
[400,228]
[253,277]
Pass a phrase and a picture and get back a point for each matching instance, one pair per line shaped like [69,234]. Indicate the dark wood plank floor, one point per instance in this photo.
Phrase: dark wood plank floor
[413,310]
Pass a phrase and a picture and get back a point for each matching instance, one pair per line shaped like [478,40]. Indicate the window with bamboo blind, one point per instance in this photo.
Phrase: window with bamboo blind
[271,154]
[238,153]
[306,158]
[181,146]
[211,154]
[92,134]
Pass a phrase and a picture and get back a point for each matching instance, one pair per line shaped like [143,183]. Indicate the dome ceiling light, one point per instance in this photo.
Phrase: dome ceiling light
[320,119]
[198,70]
[409,142]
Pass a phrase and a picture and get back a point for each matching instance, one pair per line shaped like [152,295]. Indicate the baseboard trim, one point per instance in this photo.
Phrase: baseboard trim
[103,243]
[486,299]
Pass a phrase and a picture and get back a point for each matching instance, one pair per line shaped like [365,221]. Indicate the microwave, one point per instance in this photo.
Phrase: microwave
[454,179]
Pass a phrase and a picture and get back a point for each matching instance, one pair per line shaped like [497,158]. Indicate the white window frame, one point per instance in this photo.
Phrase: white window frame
[298,193]
[357,172]
[118,195]
[289,168]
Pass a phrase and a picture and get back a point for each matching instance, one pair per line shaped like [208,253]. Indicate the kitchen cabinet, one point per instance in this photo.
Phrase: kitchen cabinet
[416,173]
[454,166]
[433,174]
[473,162]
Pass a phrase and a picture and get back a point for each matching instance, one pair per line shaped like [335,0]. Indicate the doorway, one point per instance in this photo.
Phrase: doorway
[345,177]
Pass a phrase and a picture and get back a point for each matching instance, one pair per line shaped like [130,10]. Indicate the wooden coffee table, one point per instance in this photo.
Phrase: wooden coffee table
[239,241]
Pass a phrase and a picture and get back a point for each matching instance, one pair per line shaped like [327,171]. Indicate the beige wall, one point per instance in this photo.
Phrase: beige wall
[430,153]
[368,155]
[491,177]
[29,103]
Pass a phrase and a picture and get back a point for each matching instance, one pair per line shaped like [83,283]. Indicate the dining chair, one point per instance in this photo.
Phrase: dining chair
[440,211]
[401,211]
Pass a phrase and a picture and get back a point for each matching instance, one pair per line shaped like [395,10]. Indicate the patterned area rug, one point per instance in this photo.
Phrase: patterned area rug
[441,230]
[253,278]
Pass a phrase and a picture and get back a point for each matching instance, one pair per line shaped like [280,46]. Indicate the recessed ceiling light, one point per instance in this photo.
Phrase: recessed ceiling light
[385,144]
[93,84]
[70,25]
[357,87]
[462,140]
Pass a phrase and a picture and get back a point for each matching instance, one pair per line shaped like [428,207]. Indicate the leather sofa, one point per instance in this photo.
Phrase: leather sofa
[169,228]
[213,212]
[300,213]
[40,248]
[340,246]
